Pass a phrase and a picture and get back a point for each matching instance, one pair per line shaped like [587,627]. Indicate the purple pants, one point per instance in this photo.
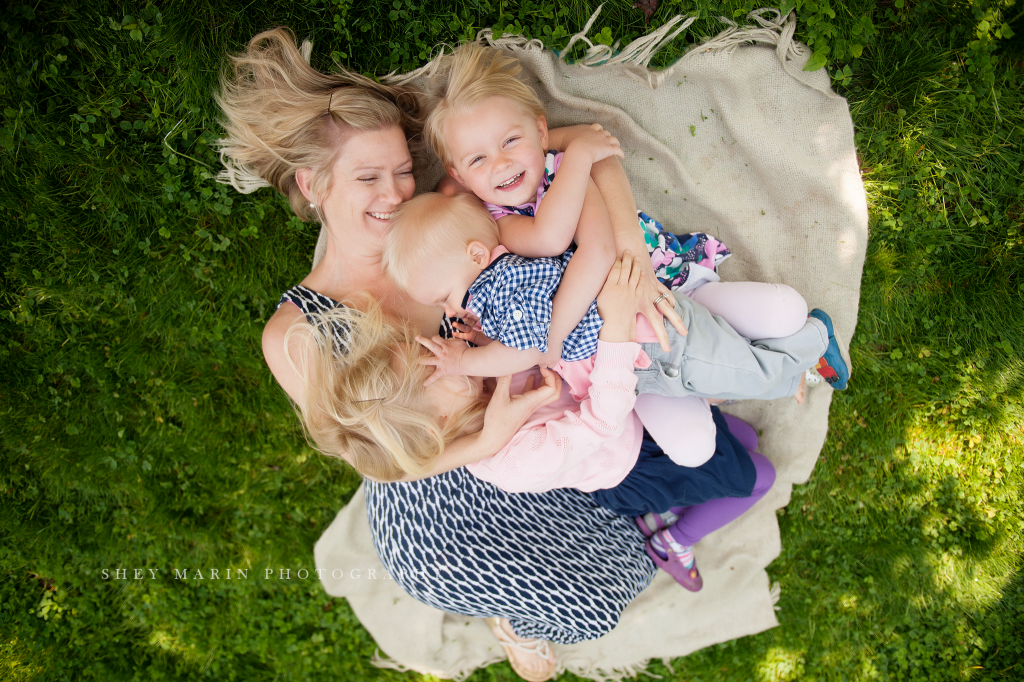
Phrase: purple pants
[701,519]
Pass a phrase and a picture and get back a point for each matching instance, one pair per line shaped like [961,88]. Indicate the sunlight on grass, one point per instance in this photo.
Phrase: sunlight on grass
[781,665]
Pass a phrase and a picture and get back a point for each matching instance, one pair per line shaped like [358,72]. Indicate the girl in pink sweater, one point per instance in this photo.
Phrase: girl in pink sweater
[598,445]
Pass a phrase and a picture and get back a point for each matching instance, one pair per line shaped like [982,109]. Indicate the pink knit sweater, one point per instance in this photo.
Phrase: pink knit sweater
[589,445]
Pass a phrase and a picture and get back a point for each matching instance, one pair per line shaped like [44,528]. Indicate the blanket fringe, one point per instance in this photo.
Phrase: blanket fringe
[769,28]
[776,594]
[606,675]
[459,671]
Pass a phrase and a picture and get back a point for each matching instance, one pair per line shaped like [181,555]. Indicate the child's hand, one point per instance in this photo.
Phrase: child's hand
[471,333]
[447,360]
[598,143]
[619,300]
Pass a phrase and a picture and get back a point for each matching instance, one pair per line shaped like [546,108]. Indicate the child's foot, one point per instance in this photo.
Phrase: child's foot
[831,365]
[801,390]
[675,559]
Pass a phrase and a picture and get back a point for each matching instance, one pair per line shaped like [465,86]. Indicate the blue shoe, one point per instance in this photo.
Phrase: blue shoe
[831,366]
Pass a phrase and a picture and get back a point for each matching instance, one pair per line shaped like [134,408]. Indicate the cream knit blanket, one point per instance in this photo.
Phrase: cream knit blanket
[734,140]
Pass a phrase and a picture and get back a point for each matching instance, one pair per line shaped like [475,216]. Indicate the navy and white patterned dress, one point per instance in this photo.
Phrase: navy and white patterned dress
[555,564]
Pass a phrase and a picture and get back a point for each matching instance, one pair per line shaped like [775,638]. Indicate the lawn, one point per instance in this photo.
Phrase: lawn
[139,428]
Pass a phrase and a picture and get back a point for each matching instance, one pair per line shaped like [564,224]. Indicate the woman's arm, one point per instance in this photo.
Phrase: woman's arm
[276,356]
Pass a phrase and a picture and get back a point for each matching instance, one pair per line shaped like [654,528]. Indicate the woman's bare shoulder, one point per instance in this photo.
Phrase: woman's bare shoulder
[274,351]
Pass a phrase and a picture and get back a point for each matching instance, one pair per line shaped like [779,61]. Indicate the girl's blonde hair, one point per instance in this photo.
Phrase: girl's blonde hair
[363,398]
[282,115]
[468,76]
[432,228]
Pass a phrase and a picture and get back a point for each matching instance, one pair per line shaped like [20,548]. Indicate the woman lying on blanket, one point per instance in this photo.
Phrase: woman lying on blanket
[336,146]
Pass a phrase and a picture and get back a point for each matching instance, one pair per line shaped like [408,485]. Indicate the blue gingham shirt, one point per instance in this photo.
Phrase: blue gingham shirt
[512,298]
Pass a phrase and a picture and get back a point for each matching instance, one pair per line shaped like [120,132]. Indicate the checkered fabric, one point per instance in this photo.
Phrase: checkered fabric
[512,298]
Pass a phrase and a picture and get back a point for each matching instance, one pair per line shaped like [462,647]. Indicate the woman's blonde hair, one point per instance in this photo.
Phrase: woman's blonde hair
[430,229]
[364,399]
[468,76]
[282,115]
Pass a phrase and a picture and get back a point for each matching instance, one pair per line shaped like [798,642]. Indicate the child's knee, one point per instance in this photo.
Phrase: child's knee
[697,449]
[765,474]
[790,311]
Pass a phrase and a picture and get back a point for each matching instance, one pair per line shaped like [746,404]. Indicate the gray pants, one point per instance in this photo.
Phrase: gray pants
[713,361]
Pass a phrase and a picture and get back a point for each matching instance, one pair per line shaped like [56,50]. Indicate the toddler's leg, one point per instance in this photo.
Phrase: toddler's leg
[682,427]
[714,361]
[754,309]
[701,519]
[745,433]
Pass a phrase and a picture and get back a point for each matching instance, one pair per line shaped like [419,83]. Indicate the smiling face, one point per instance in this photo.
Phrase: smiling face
[371,177]
[497,151]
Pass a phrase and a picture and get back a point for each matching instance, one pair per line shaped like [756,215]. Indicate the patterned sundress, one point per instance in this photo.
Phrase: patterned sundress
[555,564]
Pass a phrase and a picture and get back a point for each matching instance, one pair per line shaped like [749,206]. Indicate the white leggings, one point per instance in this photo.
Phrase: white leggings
[683,427]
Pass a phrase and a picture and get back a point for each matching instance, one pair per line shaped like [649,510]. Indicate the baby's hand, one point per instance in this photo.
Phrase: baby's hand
[447,360]
[598,143]
[471,334]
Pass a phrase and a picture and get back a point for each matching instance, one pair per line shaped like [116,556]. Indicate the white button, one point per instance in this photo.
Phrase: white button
[517,315]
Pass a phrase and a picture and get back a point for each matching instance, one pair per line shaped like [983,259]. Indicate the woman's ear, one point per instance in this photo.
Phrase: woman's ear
[303,177]
[542,129]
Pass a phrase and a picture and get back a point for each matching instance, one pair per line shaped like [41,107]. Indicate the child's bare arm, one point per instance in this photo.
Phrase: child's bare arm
[550,232]
[452,357]
[586,272]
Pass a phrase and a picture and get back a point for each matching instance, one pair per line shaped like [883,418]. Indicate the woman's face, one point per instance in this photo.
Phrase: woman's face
[372,176]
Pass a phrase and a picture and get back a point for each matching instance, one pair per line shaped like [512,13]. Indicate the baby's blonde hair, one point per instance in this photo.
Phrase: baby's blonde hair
[431,228]
[363,398]
[282,115]
[468,76]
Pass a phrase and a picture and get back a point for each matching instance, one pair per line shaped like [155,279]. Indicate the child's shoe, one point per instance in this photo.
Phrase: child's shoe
[650,523]
[681,566]
[831,366]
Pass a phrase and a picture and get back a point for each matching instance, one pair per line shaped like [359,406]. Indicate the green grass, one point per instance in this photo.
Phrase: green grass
[139,427]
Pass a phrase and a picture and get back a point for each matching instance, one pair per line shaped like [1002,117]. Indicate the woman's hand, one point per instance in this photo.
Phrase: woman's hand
[652,291]
[620,299]
[506,413]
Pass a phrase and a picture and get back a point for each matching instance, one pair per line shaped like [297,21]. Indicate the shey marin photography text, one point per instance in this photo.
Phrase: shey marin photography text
[372,573]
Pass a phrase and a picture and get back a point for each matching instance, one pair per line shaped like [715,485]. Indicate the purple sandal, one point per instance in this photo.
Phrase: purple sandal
[642,522]
[687,577]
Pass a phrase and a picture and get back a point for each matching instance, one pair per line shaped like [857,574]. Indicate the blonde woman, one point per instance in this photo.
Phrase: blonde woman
[337,145]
